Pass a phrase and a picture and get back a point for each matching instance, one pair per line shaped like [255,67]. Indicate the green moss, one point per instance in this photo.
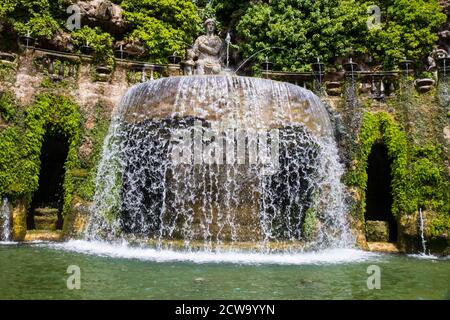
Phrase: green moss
[7,72]
[19,227]
[309,224]
[418,172]
[20,145]
[85,186]
[381,127]
[53,81]
[7,105]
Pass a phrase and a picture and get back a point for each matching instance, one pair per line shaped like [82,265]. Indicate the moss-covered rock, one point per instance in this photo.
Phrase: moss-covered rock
[19,220]
[377,231]
[75,222]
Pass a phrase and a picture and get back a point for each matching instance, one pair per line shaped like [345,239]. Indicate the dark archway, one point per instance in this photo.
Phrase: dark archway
[50,193]
[379,190]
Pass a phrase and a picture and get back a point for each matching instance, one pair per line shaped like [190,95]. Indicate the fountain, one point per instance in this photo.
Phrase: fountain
[318,72]
[443,70]
[220,159]
[5,216]
[266,67]
[228,42]
[120,53]
[288,169]
[350,72]
[86,49]
[407,66]
[27,40]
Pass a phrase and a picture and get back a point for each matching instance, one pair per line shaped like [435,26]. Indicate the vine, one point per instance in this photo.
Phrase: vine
[381,127]
[418,175]
[21,146]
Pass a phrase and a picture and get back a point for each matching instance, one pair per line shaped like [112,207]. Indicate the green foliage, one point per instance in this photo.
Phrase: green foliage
[431,190]
[101,42]
[39,25]
[229,12]
[7,105]
[34,16]
[381,127]
[418,173]
[7,72]
[309,224]
[165,26]
[307,29]
[304,29]
[408,29]
[10,139]
[56,113]
[21,145]
[86,187]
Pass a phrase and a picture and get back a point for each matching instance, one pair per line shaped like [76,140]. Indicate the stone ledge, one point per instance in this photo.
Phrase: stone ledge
[387,247]
[34,235]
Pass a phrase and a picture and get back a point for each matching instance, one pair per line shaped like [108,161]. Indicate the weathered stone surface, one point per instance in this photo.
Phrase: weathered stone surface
[86,149]
[377,231]
[408,225]
[134,48]
[19,215]
[103,13]
[62,41]
[76,220]
[358,232]
[387,247]
[45,218]
[39,235]
[447,134]
[27,80]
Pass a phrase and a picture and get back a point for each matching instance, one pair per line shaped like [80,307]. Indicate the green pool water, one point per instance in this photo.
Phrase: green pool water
[39,271]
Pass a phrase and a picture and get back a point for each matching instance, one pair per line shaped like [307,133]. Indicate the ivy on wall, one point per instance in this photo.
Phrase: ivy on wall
[85,184]
[418,177]
[21,143]
[381,127]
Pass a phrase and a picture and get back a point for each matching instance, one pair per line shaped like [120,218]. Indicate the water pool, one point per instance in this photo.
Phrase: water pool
[39,271]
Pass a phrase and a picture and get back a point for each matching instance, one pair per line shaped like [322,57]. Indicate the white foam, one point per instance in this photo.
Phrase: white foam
[330,256]
[7,243]
[423,256]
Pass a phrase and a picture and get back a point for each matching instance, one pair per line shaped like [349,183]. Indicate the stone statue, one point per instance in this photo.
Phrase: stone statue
[208,50]
[189,63]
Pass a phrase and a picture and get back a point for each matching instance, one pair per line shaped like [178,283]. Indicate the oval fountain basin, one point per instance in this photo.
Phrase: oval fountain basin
[252,102]
[220,158]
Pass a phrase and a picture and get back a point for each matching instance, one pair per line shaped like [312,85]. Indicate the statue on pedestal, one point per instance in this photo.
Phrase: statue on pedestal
[208,50]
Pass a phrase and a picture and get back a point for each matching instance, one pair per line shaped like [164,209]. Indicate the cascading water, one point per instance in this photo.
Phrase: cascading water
[422,227]
[220,159]
[5,216]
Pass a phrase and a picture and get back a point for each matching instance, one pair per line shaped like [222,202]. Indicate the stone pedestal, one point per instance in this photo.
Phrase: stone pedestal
[173,70]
